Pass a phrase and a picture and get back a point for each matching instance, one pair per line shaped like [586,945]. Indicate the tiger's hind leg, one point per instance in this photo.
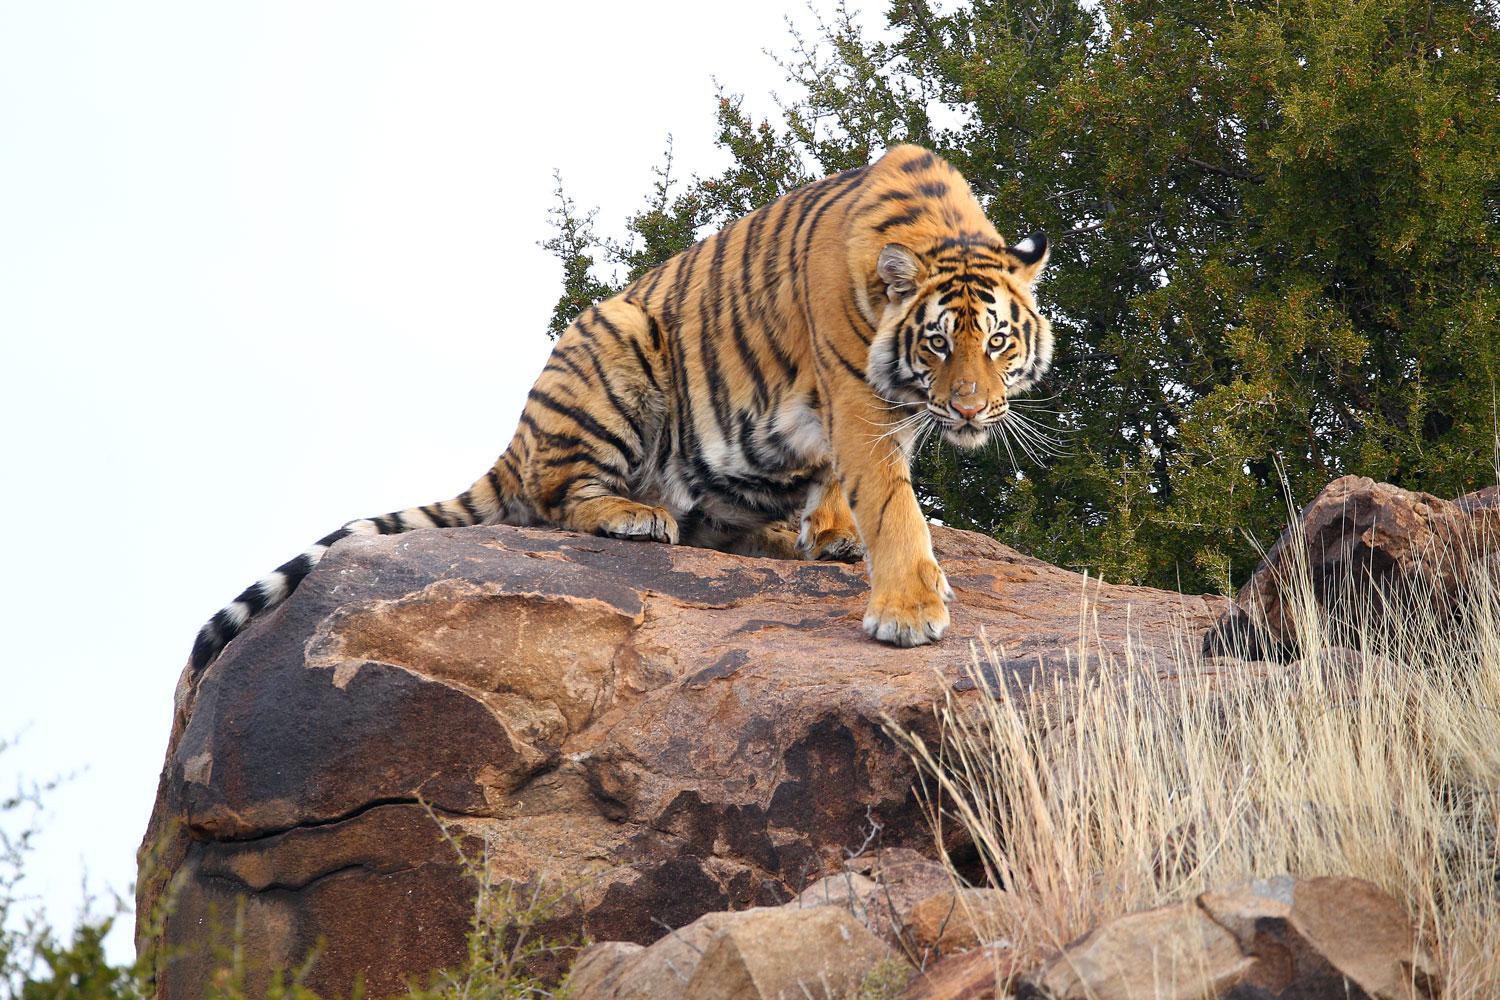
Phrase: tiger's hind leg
[828,529]
[618,517]
[594,414]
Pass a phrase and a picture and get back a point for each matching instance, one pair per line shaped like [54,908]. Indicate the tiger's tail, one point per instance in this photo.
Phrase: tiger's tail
[487,501]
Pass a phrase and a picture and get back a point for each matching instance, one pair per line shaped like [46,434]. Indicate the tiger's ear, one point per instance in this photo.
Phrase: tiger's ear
[1030,255]
[898,267]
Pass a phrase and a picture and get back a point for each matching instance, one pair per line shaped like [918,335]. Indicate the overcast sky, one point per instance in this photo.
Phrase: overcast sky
[265,268]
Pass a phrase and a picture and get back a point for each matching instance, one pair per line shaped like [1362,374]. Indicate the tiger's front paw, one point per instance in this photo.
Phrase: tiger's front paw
[913,612]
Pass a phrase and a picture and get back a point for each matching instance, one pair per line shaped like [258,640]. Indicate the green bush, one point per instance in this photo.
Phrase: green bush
[34,963]
[1275,230]
[508,937]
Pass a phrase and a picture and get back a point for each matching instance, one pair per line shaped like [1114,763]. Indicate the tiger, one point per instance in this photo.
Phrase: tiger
[761,392]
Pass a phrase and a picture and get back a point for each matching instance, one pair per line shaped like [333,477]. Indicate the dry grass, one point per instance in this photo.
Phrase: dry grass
[1137,782]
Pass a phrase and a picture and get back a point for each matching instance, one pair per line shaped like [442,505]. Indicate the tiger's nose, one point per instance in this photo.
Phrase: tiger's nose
[966,401]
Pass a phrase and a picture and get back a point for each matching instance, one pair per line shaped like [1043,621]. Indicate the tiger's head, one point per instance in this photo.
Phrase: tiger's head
[960,333]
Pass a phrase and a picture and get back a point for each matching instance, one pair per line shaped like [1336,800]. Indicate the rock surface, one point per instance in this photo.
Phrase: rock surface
[1366,539]
[1275,939]
[787,952]
[659,731]
[950,922]
[977,974]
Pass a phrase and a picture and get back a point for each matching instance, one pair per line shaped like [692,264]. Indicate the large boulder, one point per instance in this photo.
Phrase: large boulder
[656,732]
[1362,541]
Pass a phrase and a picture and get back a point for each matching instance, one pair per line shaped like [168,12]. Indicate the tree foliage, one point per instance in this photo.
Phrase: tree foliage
[1275,230]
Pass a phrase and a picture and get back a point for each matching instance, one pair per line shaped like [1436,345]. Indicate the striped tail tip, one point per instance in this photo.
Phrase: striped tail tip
[260,597]
[265,594]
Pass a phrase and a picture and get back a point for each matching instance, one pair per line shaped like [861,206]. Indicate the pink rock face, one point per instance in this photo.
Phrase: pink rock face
[1365,541]
[660,731]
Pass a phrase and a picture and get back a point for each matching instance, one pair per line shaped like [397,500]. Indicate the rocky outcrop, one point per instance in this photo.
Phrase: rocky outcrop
[1274,939]
[1277,939]
[654,732]
[1359,540]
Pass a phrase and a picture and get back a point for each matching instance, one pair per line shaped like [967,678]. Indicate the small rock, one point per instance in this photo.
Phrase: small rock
[1172,953]
[599,967]
[949,922]
[902,880]
[847,889]
[790,954]
[615,970]
[978,974]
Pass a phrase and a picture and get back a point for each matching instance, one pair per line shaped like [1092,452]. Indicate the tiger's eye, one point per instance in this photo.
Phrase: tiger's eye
[938,344]
[997,342]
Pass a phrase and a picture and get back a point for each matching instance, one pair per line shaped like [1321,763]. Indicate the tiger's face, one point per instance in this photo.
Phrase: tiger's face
[960,333]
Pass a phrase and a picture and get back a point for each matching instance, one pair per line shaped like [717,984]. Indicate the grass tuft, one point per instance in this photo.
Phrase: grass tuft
[1134,781]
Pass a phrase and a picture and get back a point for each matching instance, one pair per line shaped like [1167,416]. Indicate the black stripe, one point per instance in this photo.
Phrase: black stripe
[615,401]
[903,219]
[817,194]
[206,646]
[254,598]
[334,536]
[652,278]
[951,294]
[555,496]
[511,465]
[609,327]
[881,199]
[921,163]
[818,352]
[585,457]
[861,326]
[640,357]
[708,321]
[747,354]
[561,357]
[467,503]
[294,570]
[844,185]
[759,224]
[585,421]
[849,366]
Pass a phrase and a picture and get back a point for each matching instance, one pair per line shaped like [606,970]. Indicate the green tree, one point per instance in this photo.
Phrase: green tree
[1275,230]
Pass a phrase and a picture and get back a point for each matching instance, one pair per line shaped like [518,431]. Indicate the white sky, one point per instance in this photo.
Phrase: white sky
[265,268]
